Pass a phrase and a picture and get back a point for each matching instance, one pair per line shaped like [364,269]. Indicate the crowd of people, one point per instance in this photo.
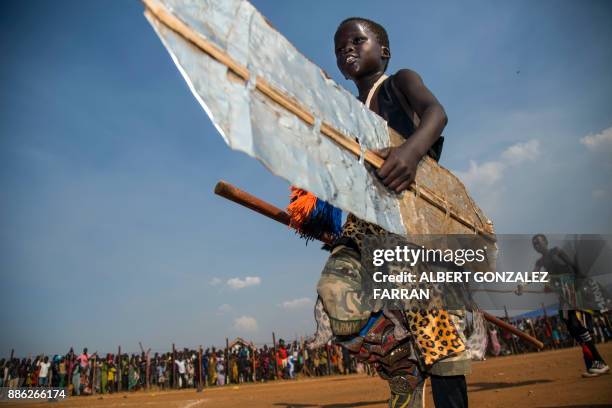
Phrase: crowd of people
[548,329]
[85,374]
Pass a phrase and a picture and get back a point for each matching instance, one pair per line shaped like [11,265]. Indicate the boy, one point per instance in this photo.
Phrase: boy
[556,262]
[362,53]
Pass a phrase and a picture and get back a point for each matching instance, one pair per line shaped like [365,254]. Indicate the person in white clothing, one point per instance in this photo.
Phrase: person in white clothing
[180,365]
[43,374]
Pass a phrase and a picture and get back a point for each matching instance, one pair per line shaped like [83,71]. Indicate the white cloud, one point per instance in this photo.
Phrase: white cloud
[482,175]
[225,308]
[601,141]
[520,152]
[245,323]
[297,303]
[490,172]
[215,281]
[238,283]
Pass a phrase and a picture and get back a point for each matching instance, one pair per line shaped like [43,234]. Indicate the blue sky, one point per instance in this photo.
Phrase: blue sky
[110,233]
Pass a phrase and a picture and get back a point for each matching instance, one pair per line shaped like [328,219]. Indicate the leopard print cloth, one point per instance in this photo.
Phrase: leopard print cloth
[435,335]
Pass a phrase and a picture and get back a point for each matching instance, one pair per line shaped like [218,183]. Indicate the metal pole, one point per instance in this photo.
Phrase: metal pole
[227,376]
[329,367]
[253,373]
[305,368]
[200,369]
[274,353]
[513,344]
[119,370]
[174,382]
[93,376]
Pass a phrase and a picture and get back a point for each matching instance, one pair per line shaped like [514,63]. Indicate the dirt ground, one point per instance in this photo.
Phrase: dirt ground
[549,379]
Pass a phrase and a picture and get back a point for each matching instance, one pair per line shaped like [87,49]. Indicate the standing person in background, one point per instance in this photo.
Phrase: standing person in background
[83,359]
[564,273]
[160,366]
[346,361]
[220,369]
[282,357]
[23,373]
[233,371]
[125,372]
[35,368]
[290,367]
[111,376]
[76,379]
[3,372]
[333,358]
[495,346]
[133,376]
[191,379]
[62,372]
[265,363]
[43,373]
[316,361]
[104,375]
[153,369]
[205,368]
[13,372]
[181,371]
[212,367]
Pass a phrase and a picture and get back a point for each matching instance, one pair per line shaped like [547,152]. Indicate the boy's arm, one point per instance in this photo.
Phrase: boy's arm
[399,169]
[538,265]
[569,262]
[537,268]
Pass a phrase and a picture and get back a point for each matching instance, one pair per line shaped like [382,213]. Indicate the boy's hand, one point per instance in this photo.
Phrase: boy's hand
[400,166]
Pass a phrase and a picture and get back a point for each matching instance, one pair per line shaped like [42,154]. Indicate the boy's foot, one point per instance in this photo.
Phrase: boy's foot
[599,367]
[588,374]
[403,395]
[399,400]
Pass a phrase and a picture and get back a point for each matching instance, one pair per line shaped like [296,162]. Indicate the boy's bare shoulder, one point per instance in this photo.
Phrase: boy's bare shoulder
[406,77]
[413,88]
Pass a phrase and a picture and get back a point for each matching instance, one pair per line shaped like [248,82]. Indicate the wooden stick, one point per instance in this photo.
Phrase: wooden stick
[200,369]
[227,361]
[274,353]
[245,199]
[119,377]
[174,380]
[93,376]
[508,327]
[156,10]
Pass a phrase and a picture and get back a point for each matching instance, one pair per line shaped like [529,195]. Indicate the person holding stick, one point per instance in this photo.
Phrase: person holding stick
[362,54]
[556,262]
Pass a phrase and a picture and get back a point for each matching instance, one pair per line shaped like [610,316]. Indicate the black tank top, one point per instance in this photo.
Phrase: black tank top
[396,113]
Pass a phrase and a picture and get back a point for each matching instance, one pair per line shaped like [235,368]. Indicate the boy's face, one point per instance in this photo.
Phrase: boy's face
[358,52]
[540,244]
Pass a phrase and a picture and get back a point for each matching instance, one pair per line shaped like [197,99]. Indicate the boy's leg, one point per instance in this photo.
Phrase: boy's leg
[448,385]
[341,291]
[406,387]
[449,391]
[592,359]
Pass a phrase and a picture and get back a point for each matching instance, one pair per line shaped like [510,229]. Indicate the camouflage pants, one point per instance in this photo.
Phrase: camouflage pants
[345,290]
[341,288]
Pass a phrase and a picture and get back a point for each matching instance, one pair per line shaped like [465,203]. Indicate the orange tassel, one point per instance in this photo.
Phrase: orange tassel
[302,204]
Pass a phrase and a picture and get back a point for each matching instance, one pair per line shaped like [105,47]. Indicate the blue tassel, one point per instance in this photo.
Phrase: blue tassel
[313,217]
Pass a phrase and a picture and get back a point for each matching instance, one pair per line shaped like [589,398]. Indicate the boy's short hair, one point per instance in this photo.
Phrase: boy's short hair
[378,30]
